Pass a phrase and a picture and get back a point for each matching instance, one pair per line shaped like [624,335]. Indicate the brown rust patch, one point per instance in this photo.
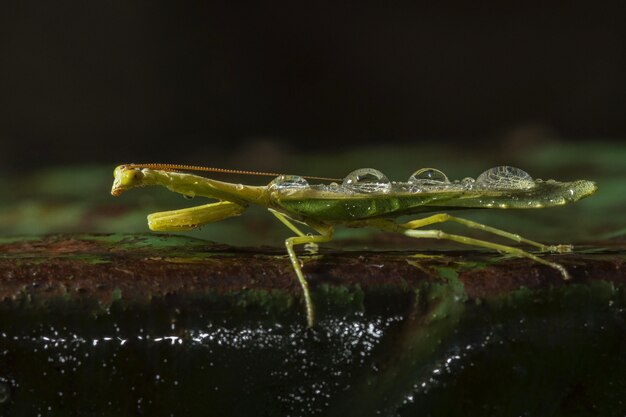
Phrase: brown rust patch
[80,266]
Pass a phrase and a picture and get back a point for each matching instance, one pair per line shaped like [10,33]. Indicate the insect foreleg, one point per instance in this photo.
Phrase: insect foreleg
[443,217]
[284,220]
[326,234]
[438,234]
[192,217]
[310,247]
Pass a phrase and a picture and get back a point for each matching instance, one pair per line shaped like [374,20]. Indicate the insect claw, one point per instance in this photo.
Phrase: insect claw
[565,248]
[560,248]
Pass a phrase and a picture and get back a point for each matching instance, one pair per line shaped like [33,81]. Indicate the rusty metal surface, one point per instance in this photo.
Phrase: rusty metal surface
[137,268]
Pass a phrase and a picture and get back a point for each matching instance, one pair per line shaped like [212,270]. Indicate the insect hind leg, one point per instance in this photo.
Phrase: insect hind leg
[444,217]
[438,234]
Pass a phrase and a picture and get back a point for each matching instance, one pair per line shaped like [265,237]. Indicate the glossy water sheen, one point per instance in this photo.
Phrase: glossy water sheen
[428,176]
[424,180]
[528,352]
[505,177]
[288,182]
[367,180]
[430,180]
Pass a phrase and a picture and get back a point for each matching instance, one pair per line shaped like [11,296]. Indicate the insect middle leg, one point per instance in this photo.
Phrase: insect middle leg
[326,234]
[444,217]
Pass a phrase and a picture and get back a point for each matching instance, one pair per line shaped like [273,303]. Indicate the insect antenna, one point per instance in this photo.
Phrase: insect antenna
[177,167]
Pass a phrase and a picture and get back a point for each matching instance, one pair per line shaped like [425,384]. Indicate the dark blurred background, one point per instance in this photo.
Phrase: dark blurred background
[179,81]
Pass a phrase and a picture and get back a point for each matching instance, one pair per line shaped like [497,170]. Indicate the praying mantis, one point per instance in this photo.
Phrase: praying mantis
[365,198]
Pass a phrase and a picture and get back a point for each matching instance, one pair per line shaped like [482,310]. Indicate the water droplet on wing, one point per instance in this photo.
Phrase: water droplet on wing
[505,177]
[289,182]
[428,176]
[367,180]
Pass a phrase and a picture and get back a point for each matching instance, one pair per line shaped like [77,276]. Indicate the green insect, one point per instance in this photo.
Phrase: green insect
[365,197]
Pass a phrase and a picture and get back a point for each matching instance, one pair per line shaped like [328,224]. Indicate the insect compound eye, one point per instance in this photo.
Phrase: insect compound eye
[288,182]
[428,176]
[119,171]
[367,180]
[505,177]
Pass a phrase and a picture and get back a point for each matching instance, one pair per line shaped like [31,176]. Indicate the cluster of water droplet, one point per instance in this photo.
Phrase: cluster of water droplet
[372,181]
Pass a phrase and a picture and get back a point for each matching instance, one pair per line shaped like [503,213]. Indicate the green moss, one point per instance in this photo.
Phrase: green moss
[571,296]
[89,259]
[272,302]
[339,297]
[454,287]
[146,240]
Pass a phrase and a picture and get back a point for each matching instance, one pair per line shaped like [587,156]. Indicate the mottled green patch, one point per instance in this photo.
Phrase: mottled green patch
[193,258]
[339,297]
[273,302]
[146,240]
[571,296]
[91,259]
[456,288]
[39,259]
[440,300]
[18,239]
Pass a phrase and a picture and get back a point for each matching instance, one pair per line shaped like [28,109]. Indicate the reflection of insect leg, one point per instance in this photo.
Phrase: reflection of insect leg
[443,217]
[438,234]
[302,239]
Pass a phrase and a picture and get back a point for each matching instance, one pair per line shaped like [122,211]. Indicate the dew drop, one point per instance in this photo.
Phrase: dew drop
[428,176]
[505,177]
[367,180]
[289,182]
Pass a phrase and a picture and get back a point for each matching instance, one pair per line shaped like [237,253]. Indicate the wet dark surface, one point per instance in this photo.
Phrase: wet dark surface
[101,325]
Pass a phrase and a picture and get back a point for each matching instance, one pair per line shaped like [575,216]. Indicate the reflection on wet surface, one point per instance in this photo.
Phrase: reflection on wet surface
[528,353]
[216,366]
